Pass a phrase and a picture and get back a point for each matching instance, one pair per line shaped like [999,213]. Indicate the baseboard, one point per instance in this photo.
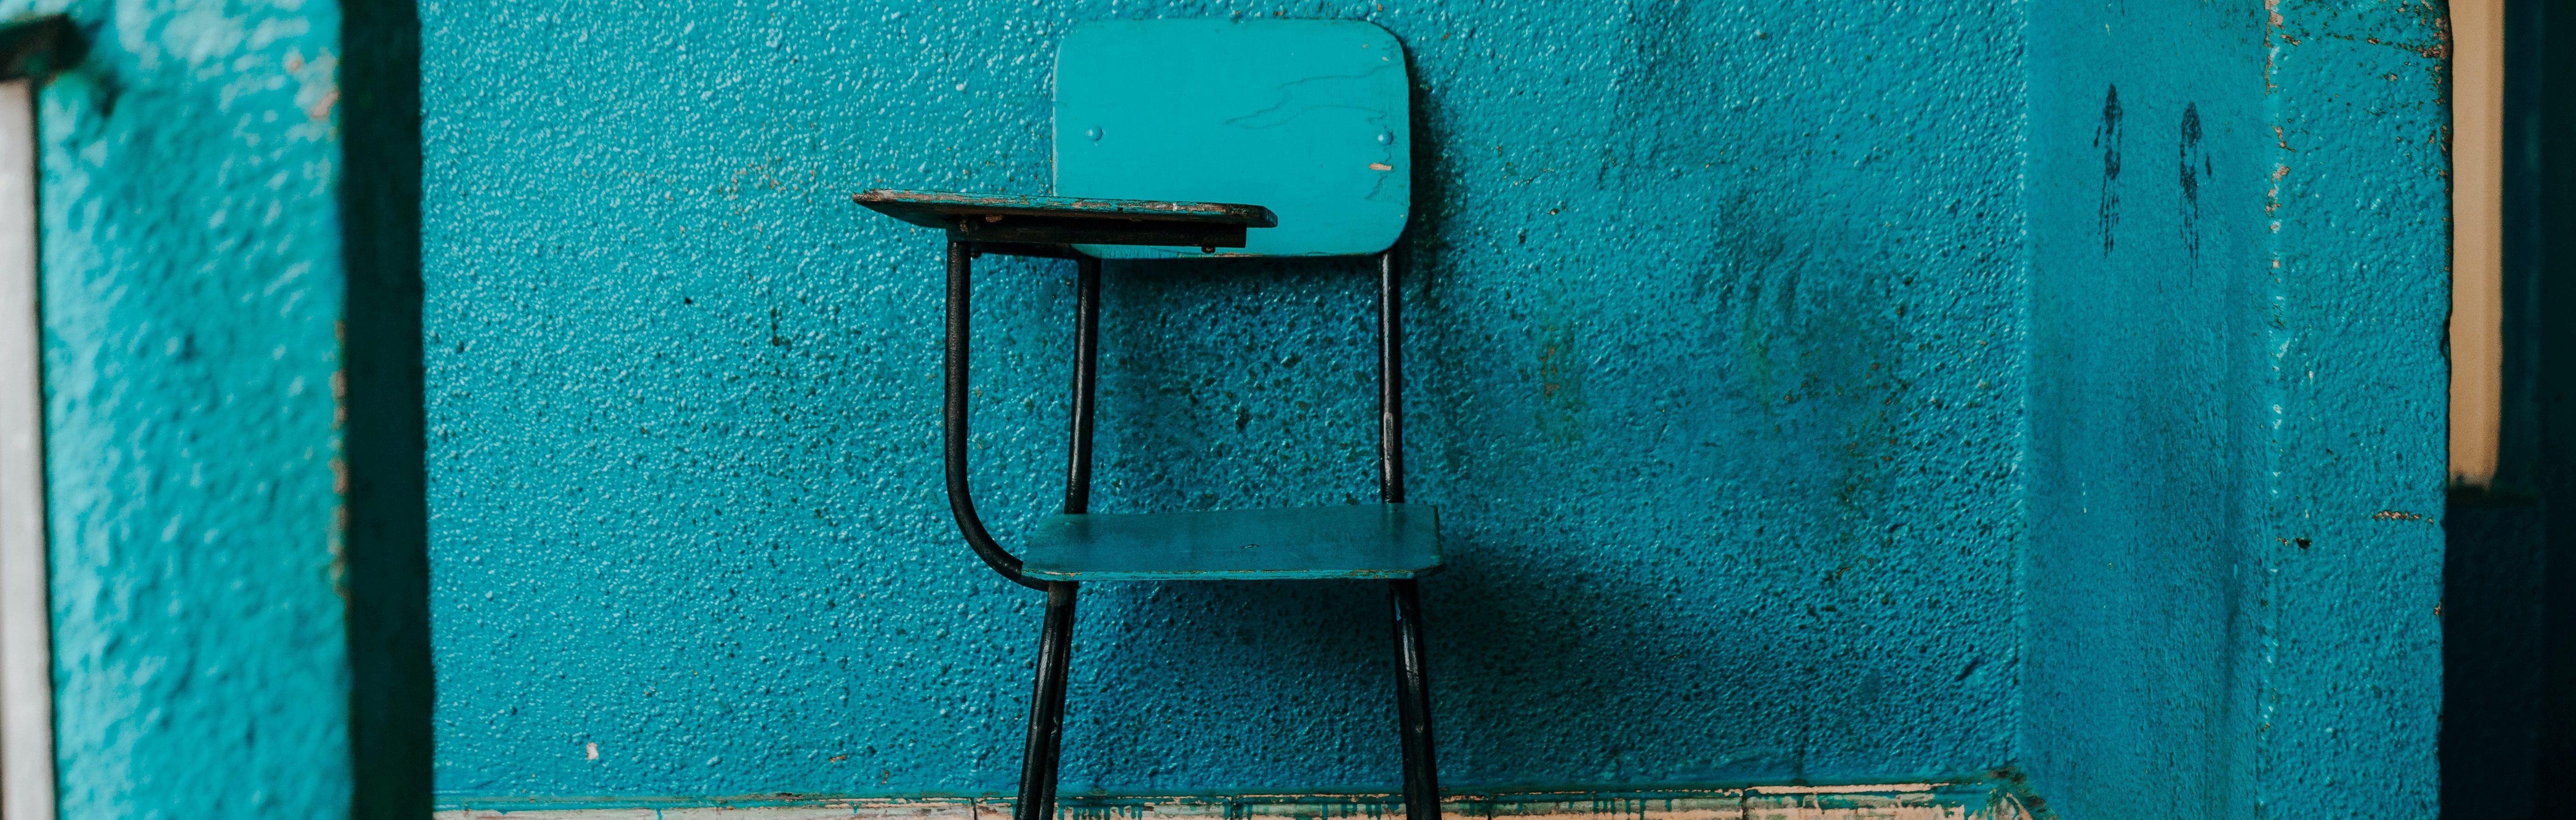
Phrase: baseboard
[1981,799]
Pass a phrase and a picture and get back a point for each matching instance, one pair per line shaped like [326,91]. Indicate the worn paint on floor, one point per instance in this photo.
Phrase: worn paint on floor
[1964,800]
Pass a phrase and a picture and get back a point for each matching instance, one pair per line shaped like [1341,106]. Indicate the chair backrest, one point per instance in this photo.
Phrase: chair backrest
[1309,118]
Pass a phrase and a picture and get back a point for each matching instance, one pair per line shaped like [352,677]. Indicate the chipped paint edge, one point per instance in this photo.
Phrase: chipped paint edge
[1982,799]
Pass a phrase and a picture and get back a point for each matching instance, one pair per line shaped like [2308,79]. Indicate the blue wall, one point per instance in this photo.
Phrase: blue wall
[2239,286]
[1805,397]
[1785,374]
[1718,375]
[192,290]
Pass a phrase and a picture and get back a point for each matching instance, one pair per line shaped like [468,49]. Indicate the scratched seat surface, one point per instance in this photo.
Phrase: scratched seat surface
[1297,543]
[1308,118]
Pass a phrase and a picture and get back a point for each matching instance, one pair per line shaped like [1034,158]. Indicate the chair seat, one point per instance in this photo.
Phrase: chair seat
[1296,543]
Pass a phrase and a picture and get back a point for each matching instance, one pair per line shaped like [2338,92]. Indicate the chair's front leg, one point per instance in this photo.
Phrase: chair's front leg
[1413,704]
[953,417]
[1046,708]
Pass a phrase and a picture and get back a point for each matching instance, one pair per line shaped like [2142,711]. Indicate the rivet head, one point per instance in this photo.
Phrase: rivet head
[1386,138]
[1094,134]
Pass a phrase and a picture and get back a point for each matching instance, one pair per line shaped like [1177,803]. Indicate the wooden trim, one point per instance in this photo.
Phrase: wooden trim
[26,620]
[2477,239]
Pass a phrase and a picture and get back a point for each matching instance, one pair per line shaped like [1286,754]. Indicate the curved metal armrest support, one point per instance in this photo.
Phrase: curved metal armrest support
[961,501]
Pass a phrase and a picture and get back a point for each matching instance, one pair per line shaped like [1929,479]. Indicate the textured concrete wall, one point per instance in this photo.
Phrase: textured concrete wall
[1721,375]
[2238,290]
[1719,328]
[192,284]
[1717,373]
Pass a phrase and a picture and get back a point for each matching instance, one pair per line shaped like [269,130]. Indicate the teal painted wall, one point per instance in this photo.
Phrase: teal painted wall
[192,289]
[1716,360]
[1785,374]
[1771,364]
[2239,286]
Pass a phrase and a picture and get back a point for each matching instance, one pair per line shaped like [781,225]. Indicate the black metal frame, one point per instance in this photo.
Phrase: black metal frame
[1055,637]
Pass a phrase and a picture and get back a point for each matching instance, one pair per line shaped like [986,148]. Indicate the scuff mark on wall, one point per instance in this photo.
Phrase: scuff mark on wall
[2194,166]
[2107,137]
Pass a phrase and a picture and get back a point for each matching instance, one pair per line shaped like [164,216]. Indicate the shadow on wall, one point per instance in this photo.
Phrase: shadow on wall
[2492,675]
[387,551]
[2509,575]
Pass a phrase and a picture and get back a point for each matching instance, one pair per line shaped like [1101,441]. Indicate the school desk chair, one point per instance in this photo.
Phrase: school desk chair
[1160,127]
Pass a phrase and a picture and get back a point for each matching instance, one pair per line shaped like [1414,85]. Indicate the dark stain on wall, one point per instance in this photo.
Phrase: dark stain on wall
[2107,138]
[2191,156]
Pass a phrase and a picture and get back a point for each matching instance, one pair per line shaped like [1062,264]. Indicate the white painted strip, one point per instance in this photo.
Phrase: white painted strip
[1892,801]
[26,621]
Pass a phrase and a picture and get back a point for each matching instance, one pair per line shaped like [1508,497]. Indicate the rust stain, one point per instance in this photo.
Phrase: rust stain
[1550,371]
[2268,85]
[2395,515]
[2440,22]
[2272,198]
[1560,376]
[321,110]
[2435,51]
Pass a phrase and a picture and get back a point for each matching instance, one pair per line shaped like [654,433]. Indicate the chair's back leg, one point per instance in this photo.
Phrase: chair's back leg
[1413,677]
[1086,358]
[1390,380]
[1046,708]
[1055,639]
[1413,704]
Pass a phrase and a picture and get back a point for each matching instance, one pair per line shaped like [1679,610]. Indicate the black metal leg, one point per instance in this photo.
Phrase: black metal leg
[1413,675]
[1390,379]
[1055,640]
[1413,704]
[961,501]
[1046,708]
[1086,359]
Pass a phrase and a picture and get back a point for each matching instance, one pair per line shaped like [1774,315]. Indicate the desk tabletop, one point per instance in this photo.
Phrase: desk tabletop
[942,209]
